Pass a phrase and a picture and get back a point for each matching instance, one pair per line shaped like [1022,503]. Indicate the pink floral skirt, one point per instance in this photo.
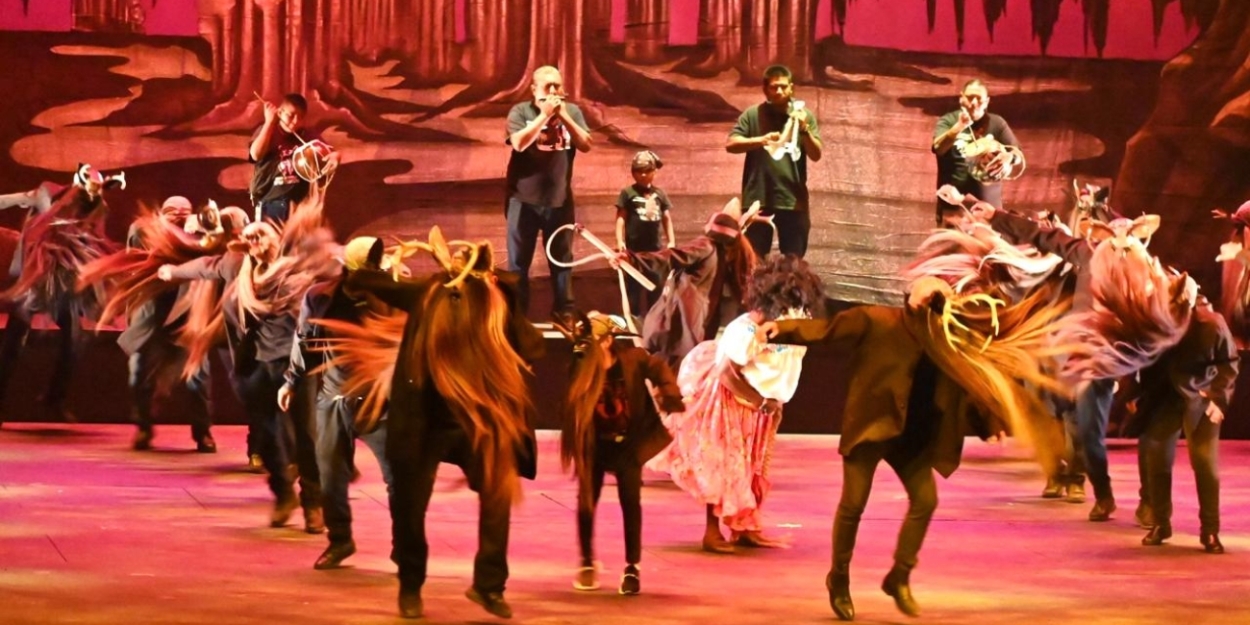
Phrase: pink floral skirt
[720,447]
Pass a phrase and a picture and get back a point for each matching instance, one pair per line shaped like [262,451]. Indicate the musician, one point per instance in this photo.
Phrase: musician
[778,137]
[276,185]
[955,131]
[545,133]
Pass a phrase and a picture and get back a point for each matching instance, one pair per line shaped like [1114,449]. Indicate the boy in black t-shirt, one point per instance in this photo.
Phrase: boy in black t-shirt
[642,212]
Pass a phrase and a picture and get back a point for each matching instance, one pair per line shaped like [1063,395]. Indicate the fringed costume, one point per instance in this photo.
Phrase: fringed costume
[459,395]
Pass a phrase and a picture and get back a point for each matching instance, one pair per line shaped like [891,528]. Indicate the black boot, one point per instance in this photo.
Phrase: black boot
[896,585]
[839,587]
[1211,543]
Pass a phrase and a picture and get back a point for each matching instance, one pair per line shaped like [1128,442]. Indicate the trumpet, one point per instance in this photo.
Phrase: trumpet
[789,143]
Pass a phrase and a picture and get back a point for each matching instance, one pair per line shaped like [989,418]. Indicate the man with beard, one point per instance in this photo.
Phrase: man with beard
[952,137]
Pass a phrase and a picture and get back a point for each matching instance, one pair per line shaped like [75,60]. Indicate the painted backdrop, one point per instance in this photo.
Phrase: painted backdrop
[414,93]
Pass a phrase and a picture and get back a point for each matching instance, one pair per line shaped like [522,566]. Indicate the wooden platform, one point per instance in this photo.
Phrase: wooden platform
[91,532]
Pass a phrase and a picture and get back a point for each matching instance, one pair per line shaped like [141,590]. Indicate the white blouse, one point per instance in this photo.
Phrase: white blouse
[770,368]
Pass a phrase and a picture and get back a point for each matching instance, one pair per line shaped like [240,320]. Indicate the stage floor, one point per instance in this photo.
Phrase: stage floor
[91,532]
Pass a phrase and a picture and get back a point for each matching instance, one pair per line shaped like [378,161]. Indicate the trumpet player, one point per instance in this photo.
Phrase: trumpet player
[545,134]
[778,137]
[953,140]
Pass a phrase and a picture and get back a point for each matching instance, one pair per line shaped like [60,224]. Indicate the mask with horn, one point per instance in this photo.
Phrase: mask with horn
[94,182]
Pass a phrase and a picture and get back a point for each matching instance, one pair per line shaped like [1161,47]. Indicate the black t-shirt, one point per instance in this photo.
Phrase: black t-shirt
[953,168]
[778,184]
[541,175]
[274,175]
[643,210]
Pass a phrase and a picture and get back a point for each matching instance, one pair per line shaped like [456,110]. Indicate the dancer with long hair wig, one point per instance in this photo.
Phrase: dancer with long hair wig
[920,377]
[609,424]
[458,394]
[1125,315]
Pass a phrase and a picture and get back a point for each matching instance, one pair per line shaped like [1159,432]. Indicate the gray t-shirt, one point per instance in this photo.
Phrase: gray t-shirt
[541,175]
[778,184]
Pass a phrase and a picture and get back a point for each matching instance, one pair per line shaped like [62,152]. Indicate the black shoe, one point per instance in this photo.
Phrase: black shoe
[1102,510]
[492,601]
[334,555]
[630,584]
[206,445]
[839,587]
[1211,543]
[1157,535]
[142,440]
[896,585]
[410,604]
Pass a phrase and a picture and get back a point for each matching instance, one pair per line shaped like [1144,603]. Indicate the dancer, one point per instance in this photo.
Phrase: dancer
[1123,316]
[736,387]
[1187,390]
[915,376]
[705,288]
[54,245]
[328,308]
[609,424]
[154,316]
[458,394]
[264,284]
[1234,258]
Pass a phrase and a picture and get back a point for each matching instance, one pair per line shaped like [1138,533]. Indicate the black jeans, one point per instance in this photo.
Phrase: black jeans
[793,227]
[916,473]
[1157,449]
[415,450]
[17,330]
[257,389]
[616,458]
[157,358]
[336,457]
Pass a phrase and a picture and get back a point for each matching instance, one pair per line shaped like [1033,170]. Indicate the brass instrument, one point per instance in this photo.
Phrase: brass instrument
[789,143]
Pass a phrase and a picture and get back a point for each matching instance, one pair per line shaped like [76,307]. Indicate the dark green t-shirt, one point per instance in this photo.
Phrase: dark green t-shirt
[778,184]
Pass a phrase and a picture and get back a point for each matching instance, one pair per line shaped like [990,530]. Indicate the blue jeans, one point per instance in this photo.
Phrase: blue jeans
[336,457]
[1093,410]
[277,211]
[525,222]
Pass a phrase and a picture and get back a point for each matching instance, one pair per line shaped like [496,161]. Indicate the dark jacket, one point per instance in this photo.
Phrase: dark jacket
[647,435]
[884,356]
[415,405]
[250,338]
[701,299]
[1205,361]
